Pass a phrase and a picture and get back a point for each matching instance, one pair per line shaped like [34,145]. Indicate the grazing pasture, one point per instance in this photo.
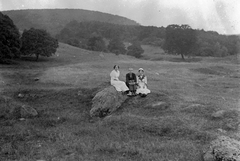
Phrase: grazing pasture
[61,88]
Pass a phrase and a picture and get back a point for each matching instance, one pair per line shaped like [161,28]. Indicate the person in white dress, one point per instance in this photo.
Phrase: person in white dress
[142,89]
[119,85]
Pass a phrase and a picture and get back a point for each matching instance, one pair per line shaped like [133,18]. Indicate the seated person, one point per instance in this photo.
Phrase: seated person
[119,85]
[131,82]
[142,84]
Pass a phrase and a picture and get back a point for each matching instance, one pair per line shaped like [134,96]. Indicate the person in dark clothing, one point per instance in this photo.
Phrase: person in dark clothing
[131,82]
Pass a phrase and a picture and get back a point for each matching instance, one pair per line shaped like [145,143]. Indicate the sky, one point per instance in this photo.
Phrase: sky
[222,16]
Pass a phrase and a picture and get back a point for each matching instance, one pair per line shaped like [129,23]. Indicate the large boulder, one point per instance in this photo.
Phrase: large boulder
[106,101]
[223,149]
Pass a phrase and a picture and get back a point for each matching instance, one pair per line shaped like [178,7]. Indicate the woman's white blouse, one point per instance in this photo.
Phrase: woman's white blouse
[114,75]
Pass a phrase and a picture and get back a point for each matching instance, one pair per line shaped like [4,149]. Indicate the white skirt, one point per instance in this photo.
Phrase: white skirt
[142,89]
[119,85]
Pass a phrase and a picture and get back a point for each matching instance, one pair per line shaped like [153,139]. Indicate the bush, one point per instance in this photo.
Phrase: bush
[116,46]
[96,43]
[135,50]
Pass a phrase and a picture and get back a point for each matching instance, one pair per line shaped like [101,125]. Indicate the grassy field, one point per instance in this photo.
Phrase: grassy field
[64,131]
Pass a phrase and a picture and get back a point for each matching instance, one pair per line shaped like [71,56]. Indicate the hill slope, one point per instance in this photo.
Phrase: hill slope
[53,20]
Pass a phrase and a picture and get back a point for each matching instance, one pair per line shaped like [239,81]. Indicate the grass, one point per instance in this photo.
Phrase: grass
[68,82]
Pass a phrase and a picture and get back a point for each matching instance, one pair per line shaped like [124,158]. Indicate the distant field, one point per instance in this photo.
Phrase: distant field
[193,90]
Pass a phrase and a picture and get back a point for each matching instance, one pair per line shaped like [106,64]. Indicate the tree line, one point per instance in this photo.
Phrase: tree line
[107,37]
[31,42]
[174,39]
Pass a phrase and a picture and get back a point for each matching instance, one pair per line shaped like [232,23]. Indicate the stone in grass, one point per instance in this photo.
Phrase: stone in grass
[28,111]
[106,101]
[218,114]
[223,148]
[159,105]
[20,95]
[36,79]
[195,106]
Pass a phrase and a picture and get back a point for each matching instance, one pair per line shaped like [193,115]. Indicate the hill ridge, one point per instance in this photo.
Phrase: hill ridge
[53,20]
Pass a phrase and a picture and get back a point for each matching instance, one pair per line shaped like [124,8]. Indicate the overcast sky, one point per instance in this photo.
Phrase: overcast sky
[222,16]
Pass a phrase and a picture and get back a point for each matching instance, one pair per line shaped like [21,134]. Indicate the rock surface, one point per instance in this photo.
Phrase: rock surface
[106,101]
[218,114]
[27,111]
[159,105]
[223,149]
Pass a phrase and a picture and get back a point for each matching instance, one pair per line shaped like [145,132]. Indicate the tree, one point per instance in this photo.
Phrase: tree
[180,39]
[96,43]
[220,51]
[9,38]
[135,50]
[116,46]
[38,42]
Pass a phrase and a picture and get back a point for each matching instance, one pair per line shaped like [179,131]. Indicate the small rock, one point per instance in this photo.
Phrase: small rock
[221,130]
[28,111]
[160,105]
[218,114]
[20,95]
[22,119]
[194,106]
[36,79]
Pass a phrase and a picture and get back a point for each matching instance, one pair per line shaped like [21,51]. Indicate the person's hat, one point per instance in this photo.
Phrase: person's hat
[140,69]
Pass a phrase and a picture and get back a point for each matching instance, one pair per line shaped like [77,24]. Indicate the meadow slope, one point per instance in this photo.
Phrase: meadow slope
[193,91]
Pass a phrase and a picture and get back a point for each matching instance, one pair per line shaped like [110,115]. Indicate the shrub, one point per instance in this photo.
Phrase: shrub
[116,46]
[135,50]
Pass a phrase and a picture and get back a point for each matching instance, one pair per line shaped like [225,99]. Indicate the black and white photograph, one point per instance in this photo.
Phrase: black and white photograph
[119,80]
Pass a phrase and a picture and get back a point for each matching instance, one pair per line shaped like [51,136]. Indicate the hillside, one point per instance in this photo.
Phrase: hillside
[53,20]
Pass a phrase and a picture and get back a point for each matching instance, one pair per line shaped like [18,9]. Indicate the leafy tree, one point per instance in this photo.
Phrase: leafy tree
[38,42]
[116,46]
[220,51]
[180,39]
[96,43]
[135,50]
[9,39]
